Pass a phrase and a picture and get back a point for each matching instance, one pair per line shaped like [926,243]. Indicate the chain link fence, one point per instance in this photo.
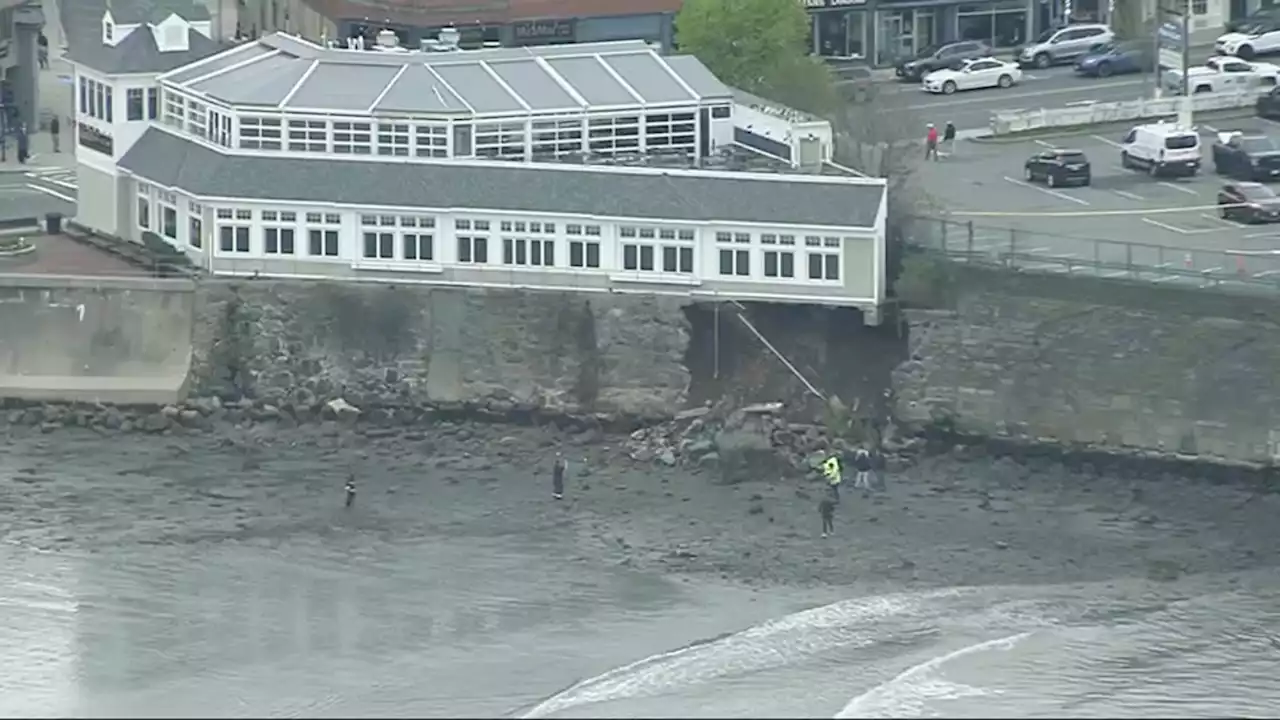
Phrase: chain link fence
[1021,250]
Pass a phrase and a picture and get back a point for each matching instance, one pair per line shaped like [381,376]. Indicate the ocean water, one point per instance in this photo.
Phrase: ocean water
[335,626]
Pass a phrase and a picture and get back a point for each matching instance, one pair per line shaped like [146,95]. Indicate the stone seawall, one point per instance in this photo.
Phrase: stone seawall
[1110,365]
[94,339]
[296,345]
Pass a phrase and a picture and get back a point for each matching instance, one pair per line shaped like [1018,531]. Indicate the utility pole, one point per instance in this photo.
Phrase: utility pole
[1185,112]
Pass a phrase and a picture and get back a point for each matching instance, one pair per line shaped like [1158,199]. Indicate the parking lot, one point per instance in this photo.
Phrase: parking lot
[1124,219]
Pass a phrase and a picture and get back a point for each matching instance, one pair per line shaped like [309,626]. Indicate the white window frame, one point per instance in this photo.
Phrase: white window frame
[672,131]
[472,240]
[352,137]
[279,231]
[733,251]
[135,97]
[234,231]
[306,134]
[145,210]
[614,134]
[778,247]
[584,240]
[167,202]
[175,110]
[323,231]
[431,140]
[828,250]
[418,232]
[672,253]
[195,224]
[261,132]
[500,139]
[394,138]
[556,137]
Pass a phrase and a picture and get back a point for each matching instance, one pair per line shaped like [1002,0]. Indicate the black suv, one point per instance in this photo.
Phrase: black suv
[941,57]
[1248,157]
[1059,167]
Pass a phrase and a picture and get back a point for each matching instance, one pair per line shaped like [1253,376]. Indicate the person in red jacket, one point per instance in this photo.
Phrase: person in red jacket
[931,143]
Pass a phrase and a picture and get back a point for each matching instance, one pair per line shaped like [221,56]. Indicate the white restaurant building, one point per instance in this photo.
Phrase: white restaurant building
[281,158]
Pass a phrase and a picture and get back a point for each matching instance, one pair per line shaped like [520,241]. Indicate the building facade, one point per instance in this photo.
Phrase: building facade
[882,31]
[489,168]
[20,26]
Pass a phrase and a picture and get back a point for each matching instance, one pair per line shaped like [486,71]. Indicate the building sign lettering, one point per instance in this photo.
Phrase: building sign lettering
[95,139]
[828,4]
[533,31]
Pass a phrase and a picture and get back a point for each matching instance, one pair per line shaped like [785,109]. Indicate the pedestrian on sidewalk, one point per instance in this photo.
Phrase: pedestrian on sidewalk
[54,129]
[931,143]
[949,138]
[23,149]
[42,53]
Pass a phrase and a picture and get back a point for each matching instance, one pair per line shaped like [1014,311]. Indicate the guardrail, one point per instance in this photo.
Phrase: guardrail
[1006,122]
[1255,272]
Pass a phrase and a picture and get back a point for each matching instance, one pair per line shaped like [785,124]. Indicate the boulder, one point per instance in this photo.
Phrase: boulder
[341,410]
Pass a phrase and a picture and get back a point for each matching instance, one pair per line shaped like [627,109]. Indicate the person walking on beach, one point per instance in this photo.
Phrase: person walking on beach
[831,470]
[931,143]
[827,509]
[862,464]
[558,470]
[351,489]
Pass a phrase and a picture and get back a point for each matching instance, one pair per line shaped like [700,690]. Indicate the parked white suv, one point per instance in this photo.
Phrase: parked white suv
[1064,45]
[1250,42]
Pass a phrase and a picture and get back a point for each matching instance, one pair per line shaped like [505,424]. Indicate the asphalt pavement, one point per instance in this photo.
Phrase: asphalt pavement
[1054,87]
[1124,220]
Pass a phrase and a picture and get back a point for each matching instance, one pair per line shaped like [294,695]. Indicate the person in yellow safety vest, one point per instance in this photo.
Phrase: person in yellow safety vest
[831,469]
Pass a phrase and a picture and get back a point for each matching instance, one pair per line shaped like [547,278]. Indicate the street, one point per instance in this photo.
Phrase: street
[1124,218]
[1051,88]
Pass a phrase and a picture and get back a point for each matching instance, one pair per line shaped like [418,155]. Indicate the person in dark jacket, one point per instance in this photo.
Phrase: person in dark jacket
[949,138]
[862,464]
[827,509]
[351,489]
[23,147]
[54,129]
[558,470]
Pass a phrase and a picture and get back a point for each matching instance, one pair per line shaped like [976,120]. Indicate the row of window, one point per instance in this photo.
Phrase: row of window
[141,104]
[95,99]
[507,139]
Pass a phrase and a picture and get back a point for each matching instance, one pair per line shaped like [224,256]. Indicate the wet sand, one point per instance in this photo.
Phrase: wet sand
[945,521]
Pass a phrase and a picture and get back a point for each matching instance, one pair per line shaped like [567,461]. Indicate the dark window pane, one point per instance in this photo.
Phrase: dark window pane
[630,261]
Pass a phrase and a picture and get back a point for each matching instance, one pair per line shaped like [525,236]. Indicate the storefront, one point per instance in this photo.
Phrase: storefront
[839,28]
[882,31]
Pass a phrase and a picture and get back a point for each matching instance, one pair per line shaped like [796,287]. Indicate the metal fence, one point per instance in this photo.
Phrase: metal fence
[1023,250]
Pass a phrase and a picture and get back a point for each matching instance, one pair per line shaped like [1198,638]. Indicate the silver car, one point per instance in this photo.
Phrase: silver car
[1064,45]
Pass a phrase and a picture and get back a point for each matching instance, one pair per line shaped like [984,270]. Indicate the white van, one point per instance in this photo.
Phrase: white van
[1161,149]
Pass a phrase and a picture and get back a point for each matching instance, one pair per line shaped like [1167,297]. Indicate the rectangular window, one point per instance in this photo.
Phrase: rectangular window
[677,259]
[670,133]
[174,110]
[110,102]
[472,249]
[779,264]
[260,133]
[584,253]
[554,138]
[278,240]
[144,213]
[134,100]
[735,262]
[379,245]
[195,232]
[528,251]
[153,100]
[824,261]
[418,246]
[393,139]
[431,141]
[352,138]
[613,135]
[233,238]
[169,221]
[322,243]
[308,136]
[500,140]
[637,257]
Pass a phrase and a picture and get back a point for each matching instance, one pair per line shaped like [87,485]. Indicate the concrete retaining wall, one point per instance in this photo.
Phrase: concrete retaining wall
[94,340]
[1099,362]
[297,344]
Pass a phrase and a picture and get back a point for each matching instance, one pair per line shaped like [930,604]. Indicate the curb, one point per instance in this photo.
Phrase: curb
[1072,130]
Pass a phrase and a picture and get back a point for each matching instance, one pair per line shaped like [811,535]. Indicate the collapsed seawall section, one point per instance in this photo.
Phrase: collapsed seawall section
[296,344]
[65,339]
[1111,365]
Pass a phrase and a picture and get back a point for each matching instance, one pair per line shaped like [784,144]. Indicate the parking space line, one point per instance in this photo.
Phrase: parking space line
[1049,145]
[1253,236]
[1178,188]
[1126,194]
[1108,141]
[1047,191]
[1166,226]
[1224,221]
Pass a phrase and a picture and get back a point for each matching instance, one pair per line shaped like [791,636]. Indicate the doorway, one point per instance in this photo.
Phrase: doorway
[903,33]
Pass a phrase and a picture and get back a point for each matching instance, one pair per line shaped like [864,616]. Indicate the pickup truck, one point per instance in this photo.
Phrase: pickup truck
[1223,74]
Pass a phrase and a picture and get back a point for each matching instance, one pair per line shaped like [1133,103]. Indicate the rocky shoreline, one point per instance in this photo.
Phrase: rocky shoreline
[736,444]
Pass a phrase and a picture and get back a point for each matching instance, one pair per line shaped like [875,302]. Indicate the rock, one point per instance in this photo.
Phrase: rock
[267,412]
[341,410]
[698,448]
[49,427]
[709,460]
[190,418]
[666,457]
[170,411]
[692,413]
[155,422]
[1001,545]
